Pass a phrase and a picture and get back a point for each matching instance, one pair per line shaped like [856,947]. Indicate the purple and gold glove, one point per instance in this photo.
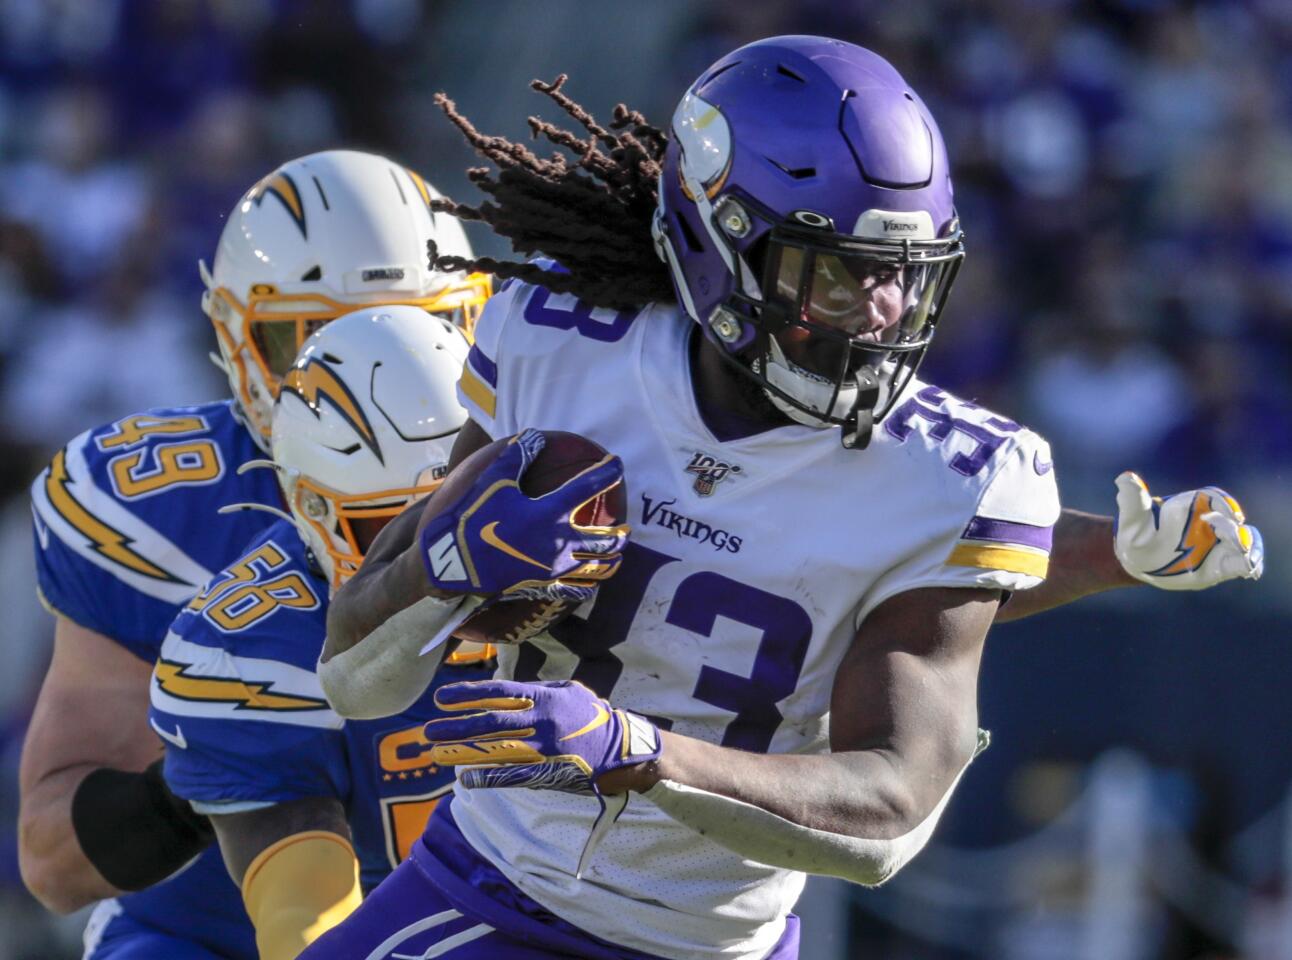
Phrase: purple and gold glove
[551,735]
[497,541]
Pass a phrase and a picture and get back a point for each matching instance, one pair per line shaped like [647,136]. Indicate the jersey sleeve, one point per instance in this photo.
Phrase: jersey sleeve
[479,390]
[83,593]
[1003,545]
[239,705]
[527,339]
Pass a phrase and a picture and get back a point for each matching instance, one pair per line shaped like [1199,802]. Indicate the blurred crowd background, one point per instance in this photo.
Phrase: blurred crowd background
[1124,174]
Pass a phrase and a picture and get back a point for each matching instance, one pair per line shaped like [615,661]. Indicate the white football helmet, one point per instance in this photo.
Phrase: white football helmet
[364,423]
[318,237]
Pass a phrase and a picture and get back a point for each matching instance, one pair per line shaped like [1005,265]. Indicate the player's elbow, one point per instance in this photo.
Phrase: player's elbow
[341,628]
[46,875]
[893,810]
[342,693]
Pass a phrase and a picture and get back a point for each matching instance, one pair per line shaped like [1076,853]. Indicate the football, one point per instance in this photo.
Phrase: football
[562,457]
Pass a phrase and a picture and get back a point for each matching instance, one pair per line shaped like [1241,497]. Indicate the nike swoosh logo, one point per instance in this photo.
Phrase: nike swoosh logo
[600,720]
[490,537]
[177,738]
[1042,467]
[42,531]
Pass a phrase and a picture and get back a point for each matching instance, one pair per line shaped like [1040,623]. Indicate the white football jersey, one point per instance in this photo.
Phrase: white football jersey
[751,564]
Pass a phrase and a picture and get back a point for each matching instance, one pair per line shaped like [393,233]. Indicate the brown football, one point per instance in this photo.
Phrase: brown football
[562,457]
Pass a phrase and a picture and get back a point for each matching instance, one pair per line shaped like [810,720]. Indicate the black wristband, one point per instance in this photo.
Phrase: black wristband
[133,829]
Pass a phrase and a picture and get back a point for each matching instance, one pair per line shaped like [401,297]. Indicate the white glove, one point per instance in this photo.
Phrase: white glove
[1187,541]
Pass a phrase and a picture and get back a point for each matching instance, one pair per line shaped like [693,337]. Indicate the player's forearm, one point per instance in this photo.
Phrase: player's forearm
[860,816]
[863,793]
[1082,563]
[374,595]
[53,866]
[372,664]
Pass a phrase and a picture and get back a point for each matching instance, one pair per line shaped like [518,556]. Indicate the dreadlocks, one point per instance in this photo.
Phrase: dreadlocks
[591,214]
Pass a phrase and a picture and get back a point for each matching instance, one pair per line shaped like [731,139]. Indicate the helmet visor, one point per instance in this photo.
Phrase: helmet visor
[876,298]
[834,303]
[279,323]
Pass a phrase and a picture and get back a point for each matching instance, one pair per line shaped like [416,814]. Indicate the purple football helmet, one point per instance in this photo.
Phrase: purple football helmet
[806,215]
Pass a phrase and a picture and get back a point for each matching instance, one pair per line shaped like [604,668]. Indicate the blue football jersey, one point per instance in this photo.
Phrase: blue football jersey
[237,698]
[126,524]
[126,530]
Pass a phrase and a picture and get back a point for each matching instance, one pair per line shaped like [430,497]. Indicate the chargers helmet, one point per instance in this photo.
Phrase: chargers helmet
[318,237]
[806,216]
[364,422]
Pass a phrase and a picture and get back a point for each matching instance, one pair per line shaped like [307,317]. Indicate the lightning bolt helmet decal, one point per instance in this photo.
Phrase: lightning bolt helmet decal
[283,187]
[314,381]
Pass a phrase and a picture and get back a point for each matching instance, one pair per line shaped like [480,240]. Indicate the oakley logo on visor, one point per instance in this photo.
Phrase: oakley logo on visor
[811,218]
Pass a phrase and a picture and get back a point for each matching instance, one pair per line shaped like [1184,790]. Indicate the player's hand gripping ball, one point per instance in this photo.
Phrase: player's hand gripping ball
[550,735]
[1187,541]
[533,522]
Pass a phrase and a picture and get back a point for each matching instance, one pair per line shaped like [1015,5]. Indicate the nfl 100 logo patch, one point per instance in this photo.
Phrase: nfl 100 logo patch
[709,472]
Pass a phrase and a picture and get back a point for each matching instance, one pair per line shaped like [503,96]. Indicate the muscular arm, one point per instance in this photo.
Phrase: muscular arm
[296,868]
[903,725]
[1082,563]
[92,712]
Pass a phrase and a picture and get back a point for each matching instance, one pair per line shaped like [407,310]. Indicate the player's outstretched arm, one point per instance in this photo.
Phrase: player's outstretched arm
[1082,563]
[296,868]
[1187,541]
[89,749]
[903,728]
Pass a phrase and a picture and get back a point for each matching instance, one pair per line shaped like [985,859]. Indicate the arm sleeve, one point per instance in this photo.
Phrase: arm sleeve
[1003,545]
[298,889]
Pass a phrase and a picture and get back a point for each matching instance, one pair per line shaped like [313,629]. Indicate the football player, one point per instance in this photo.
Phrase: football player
[781,677]
[126,532]
[364,423]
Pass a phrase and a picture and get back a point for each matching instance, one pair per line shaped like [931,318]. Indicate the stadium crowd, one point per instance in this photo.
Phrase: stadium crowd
[1123,170]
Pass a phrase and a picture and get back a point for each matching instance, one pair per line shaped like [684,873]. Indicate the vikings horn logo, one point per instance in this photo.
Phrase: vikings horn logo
[313,381]
[709,472]
[284,188]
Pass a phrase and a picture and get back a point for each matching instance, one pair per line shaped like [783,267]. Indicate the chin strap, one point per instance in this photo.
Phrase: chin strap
[861,421]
